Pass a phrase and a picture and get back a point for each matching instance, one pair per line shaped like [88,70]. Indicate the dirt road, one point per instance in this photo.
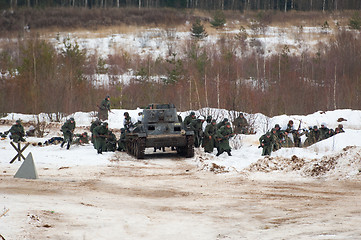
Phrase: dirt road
[170,198]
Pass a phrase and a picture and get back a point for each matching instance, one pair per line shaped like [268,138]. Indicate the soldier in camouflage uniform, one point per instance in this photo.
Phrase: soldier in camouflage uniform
[286,141]
[266,142]
[339,129]
[17,132]
[313,136]
[222,136]
[209,136]
[68,132]
[323,132]
[275,139]
[104,108]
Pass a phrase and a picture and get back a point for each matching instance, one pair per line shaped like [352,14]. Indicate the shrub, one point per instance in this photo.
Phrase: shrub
[355,22]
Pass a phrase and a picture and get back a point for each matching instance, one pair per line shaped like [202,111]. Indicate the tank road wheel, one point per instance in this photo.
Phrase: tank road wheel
[139,151]
[189,150]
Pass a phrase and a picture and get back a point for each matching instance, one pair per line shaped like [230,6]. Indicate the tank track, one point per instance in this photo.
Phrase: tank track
[188,150]
[136,147]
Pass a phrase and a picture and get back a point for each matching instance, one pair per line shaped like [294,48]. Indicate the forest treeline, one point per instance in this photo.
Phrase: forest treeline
[242,5]
[35,77]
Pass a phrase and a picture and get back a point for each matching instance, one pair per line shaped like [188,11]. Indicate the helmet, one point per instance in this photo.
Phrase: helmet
[290,122]
[18,121]
[71,119]
[273,129]
[209,117]
[126,114]
[315,127]
[277,126]
[214,121]
[340,126]
[240,114]
[107,97]
[225,120]
[323,124]
[105,124]
[193,113]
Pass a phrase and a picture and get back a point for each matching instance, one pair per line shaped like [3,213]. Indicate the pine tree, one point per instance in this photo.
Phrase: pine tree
[198,31]
[218,20]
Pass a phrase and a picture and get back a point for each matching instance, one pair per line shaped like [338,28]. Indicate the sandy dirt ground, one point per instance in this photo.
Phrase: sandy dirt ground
[167,197]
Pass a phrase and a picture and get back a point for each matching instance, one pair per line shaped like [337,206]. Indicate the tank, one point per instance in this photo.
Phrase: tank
[160,127]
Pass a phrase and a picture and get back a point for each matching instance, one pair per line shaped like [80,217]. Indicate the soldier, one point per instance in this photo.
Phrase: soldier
[68,132]
[222,136]
[275,139]
[121,141]
[340,128]
[314,136]
[94,124]
[17,132]
[54,140]
[209,136]
[104,108]
[286,141]
[209,119]
[240,124]
[331,132]
[127,122]
[188,119]
[100,133]
[295,133]
[140,118]
[223,123]
[31,131]
[323,131]
[266,143]
[205,123]
[196,126]
[309,134]
[82,138]
[111,142]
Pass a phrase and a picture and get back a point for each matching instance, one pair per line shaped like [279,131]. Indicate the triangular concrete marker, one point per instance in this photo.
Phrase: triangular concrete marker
[27,169]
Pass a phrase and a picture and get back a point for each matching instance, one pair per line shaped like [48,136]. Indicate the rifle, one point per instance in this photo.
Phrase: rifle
[225,137]
[299,126]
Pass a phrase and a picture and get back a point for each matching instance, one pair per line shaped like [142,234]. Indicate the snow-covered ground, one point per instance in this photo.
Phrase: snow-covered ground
[296,193]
